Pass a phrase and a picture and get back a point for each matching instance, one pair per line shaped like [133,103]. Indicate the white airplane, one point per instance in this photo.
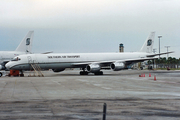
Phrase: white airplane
[88,62]
[23,48]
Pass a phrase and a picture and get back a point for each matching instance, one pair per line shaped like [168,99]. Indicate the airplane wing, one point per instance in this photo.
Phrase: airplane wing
[105,63]
[153,55]
[130,61]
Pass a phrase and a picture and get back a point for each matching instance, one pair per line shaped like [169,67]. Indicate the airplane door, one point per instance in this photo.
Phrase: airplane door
[29,59]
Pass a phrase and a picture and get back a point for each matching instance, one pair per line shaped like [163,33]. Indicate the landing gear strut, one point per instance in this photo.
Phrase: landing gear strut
[83,72]
[21,73]
[86,72]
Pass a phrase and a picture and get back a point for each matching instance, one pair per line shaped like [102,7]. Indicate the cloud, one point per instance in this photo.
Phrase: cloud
[59,13]
[115,20]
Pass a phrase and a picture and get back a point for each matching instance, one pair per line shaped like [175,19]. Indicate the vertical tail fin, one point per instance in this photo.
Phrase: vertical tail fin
[148,45]
[26,43]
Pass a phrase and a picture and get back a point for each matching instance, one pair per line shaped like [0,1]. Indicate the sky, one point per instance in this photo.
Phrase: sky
[80,26]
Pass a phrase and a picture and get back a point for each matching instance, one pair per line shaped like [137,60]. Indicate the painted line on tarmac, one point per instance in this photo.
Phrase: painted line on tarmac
[106,88]
[167,82]
[99,85]
[56,82]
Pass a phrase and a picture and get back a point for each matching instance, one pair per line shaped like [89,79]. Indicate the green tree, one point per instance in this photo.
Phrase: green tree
[149,62]
[157,62]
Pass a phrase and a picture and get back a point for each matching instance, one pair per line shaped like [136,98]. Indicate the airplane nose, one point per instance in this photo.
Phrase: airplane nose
[7,66]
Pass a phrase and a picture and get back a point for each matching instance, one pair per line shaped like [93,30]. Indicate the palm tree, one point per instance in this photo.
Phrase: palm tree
[157,62]
[169,61]
[164,61]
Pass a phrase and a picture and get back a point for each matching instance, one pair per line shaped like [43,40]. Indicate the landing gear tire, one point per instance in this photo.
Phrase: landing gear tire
[21,75]
[0,74]
[83,73]
[98,73]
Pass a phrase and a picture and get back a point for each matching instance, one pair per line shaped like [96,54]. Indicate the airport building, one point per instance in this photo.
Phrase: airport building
[121,47]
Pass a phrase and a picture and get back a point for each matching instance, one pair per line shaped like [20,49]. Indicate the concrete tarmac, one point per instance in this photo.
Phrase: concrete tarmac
[69,96]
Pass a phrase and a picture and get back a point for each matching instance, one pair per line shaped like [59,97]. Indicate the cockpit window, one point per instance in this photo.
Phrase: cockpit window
[16,59]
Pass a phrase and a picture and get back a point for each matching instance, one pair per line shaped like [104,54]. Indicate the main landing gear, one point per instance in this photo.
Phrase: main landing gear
[83,72]
[86,72]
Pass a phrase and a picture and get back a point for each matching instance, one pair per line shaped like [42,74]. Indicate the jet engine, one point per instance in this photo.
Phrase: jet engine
[117,66]
[93,68]
[58,70]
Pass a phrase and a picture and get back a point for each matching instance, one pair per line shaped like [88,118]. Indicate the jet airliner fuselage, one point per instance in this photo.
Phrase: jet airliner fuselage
[88,62]
[92,62]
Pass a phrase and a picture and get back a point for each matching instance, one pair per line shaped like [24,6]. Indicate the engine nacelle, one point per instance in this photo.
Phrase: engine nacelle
[58,70]
[117,66]
[93,68]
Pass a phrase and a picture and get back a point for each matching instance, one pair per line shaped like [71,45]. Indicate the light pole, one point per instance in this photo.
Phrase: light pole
[159,44]
[167,50]
[154,51]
